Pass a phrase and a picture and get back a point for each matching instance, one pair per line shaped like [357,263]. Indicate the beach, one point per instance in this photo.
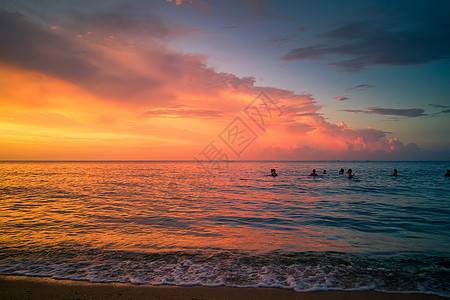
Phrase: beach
[199,149]
[17,287]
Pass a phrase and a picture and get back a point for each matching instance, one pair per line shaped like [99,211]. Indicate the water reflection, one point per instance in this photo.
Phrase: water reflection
[149,206]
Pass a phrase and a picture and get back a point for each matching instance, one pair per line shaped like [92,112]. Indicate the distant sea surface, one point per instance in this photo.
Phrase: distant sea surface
[175,223]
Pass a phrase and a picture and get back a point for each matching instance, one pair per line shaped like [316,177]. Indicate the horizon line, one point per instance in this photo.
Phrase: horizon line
[185,160]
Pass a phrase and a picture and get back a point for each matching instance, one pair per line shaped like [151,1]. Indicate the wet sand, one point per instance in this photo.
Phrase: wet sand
[17,287]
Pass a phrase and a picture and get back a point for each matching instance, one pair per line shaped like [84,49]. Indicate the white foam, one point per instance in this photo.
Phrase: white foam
[316,275]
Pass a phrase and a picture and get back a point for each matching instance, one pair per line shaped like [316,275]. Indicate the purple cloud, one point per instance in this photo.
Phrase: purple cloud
[360,87]
[409,112]
[32,46]
[341,98]
[377,41]
[438,106]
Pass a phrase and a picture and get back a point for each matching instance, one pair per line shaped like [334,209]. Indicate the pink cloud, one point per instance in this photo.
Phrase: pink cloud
[151,82]
[341,98]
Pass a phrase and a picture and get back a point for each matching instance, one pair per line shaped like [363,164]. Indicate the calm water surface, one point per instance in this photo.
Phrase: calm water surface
[174,223]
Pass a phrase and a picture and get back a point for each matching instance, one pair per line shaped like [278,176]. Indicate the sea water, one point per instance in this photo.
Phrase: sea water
[180,223]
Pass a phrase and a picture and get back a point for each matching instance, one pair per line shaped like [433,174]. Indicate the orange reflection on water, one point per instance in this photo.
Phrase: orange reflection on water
[150,207]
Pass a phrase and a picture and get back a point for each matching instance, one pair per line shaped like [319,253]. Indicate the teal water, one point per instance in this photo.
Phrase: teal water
[177,223]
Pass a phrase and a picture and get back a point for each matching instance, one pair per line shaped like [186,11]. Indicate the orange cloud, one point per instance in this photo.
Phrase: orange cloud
[93,95]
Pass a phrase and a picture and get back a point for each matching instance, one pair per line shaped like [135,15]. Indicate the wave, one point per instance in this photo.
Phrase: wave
[301,271]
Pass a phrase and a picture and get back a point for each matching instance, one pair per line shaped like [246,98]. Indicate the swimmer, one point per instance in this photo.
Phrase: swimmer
[273,172]
[447,174]
[395,173]
[349,174]
[341,171]
[324,172]
[313,173]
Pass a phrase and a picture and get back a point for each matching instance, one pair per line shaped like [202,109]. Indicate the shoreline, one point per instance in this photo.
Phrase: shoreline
[22,287]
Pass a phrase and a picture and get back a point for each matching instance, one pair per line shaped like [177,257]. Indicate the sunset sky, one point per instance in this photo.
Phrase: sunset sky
[235,79]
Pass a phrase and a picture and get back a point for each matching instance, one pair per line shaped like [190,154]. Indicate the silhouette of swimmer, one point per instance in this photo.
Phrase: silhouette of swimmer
[349,174]
[313,173]
[447,174]
[395,173]
[324,172]
[273,172]
[341,171]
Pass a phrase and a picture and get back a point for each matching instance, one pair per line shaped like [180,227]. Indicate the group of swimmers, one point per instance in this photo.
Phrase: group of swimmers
[341,171]
[350,174]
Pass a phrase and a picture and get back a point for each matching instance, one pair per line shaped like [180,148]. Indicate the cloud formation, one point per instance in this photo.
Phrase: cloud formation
[360,87]
[342,98]
[445,109]
[63,55]
[439,106]
[107,88]
[106,65]
[361,44]
[409,112]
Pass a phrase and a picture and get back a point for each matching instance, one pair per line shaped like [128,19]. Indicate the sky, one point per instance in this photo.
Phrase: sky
[224,80]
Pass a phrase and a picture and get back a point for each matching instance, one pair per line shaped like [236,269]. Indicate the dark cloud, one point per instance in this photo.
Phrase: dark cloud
[438,106]
[32,46]
[306,53]
[411,39]
[354,110]
[446,109]
[342,98]
[360,87]
[410,112]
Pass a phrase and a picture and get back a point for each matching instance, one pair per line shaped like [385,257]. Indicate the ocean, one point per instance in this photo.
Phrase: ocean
[229,224]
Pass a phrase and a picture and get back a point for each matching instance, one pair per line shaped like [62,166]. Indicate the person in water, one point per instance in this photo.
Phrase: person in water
[273,172]
[447,174]
[395,173]
[341,171]
[349,174]
[324,172]
[313,173]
